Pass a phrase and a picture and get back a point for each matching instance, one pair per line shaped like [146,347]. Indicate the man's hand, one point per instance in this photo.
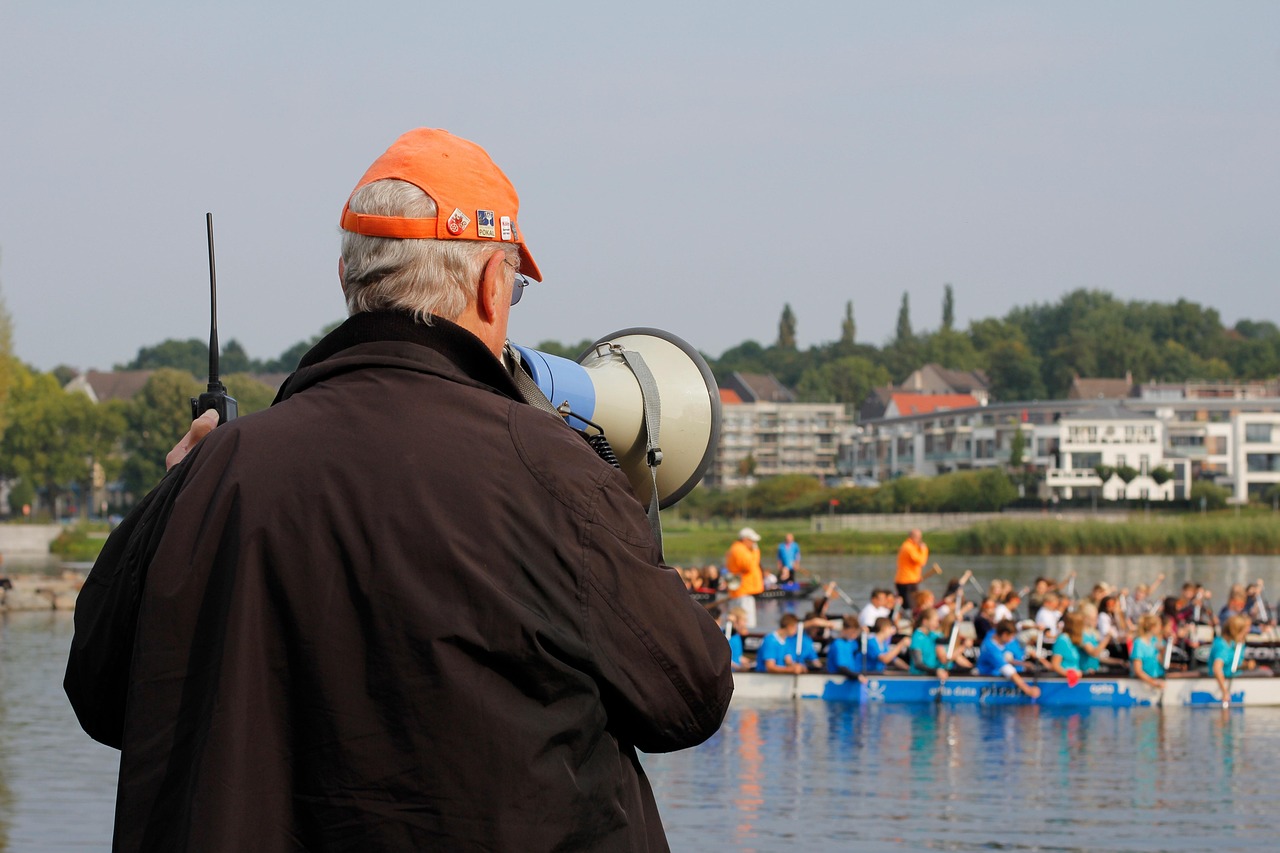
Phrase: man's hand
[200,427]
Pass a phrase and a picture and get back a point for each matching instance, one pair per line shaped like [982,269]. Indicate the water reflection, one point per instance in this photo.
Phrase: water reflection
[968,778]
[786,774]
[57,787]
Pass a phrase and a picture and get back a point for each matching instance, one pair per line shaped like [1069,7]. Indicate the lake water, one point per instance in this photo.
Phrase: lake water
[787,776]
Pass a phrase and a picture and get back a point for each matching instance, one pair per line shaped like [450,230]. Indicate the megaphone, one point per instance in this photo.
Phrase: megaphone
[606,391]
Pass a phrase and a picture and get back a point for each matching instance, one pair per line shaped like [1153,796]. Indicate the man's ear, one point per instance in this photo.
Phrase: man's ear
[492,293]
[342,274]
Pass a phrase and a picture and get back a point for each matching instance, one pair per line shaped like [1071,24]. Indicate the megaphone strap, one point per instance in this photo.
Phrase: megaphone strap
[524,383]
[652,401]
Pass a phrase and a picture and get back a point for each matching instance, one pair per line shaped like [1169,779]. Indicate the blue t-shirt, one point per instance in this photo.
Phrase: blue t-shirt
[926,643]
[735,649]
[1225,652]
[778,649]
[1089,663]
[1064,648]
[874,650]
[789,554]
[844,653]
[1148,653]
[991,655]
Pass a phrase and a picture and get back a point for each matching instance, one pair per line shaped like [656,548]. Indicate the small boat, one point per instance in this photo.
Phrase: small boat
[1092,692]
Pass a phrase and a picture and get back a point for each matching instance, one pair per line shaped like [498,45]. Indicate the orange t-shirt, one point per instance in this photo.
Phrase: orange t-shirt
[744,561]
[911,560]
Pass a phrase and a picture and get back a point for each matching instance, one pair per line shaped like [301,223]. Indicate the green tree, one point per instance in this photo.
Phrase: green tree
[904,333]
[1018,449]
[1014,372]
[54,438]
[250,394]
[8,364]
[848,329]
[845,380]
[948,308]
[1209,495]
[952,349]
[232,359]
[191,355]
[157,417]
[787,328]
[569,351]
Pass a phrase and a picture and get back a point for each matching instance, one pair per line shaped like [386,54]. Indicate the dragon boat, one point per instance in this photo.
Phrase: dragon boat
[1246,690]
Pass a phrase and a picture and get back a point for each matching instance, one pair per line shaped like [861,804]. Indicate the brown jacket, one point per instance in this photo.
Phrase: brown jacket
[399,610]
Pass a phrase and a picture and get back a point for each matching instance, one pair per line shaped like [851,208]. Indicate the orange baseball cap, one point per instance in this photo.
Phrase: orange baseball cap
[474,199]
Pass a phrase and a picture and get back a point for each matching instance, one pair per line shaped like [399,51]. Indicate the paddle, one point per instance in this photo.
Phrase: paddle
[955,625]
[1235,667]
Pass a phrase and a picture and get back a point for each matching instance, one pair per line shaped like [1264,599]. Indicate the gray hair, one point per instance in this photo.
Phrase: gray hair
[424,277]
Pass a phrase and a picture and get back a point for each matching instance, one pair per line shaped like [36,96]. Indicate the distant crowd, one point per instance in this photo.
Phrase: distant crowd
[1045,629]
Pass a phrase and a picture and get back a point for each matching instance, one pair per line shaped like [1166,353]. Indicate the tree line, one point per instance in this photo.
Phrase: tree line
[54,444]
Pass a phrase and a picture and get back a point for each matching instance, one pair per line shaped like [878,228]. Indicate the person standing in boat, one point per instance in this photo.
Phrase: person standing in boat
[789,560]
[913,555]
[402,608]
[742,562]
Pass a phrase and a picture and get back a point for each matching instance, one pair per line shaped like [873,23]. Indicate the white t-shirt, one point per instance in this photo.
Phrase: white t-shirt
[1002,613]
[1048,619]
[867,618]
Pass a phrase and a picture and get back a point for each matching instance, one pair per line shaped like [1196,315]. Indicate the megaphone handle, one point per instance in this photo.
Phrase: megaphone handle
[652,401]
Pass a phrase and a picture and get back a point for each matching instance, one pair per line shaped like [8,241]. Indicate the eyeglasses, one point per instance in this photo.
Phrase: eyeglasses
[520,282]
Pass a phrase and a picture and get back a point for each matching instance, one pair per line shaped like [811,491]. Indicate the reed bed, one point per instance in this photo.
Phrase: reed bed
[1212,534]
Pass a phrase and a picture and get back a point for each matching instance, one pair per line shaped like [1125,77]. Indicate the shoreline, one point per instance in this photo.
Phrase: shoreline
[31,592]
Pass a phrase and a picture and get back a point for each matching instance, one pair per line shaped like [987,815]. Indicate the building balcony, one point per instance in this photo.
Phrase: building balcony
[1072,478]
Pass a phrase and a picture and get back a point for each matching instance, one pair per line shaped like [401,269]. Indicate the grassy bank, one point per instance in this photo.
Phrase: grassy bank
[686,544]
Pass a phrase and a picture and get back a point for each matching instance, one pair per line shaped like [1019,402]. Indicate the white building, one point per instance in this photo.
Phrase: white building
[1114,439]
[1233,442]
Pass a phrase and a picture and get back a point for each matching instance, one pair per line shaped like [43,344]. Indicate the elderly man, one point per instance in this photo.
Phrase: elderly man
[401,609]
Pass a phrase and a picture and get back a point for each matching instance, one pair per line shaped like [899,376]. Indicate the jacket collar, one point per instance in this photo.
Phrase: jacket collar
[460,349]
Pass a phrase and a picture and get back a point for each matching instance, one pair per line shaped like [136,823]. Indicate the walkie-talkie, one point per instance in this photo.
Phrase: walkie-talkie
[216,397]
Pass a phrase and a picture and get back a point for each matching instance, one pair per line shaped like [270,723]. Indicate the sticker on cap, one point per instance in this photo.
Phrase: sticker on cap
[484,223]
[504,223]
[458,222]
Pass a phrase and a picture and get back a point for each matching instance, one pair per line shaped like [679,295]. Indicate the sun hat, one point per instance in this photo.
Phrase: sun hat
[748,533]
[475,200]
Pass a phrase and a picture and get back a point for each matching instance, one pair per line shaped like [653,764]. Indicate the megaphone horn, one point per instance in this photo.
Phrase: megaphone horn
[602,391]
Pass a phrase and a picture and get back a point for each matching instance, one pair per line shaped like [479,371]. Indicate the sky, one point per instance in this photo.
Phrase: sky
[686,166]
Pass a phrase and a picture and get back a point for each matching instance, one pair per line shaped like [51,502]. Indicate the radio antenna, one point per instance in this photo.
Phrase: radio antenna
[214,383]
[216,396]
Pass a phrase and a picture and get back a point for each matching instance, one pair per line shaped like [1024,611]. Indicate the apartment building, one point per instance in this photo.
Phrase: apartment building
[1232,441]
[764,433]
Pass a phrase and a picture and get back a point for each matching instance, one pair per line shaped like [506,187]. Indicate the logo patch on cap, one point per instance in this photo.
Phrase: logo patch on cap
[458,222]
[504,223]
[484,223]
